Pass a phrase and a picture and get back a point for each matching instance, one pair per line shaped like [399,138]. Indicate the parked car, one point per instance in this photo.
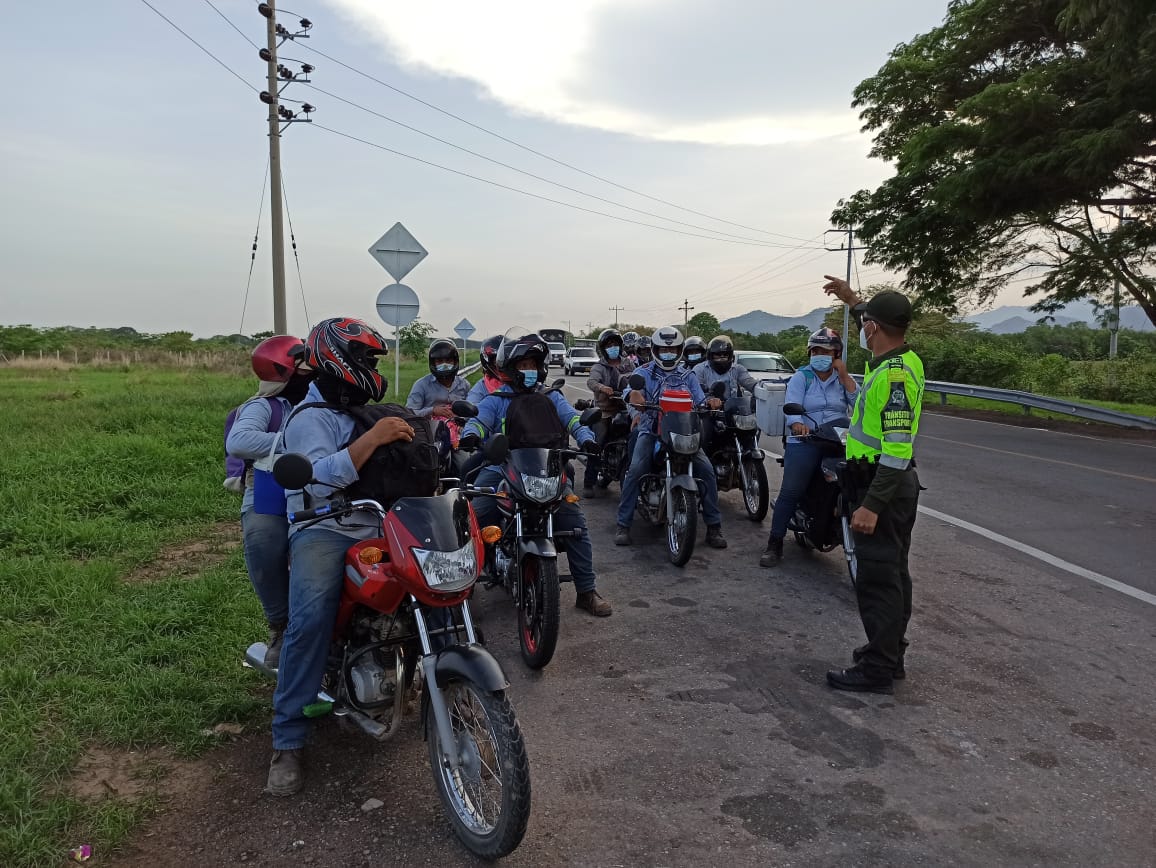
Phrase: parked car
[557,353]
[759,362]
[579,360]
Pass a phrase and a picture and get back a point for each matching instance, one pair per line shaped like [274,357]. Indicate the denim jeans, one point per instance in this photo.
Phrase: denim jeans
[266,543]
[316,576]
[641,462]
[568,517]
[800,461]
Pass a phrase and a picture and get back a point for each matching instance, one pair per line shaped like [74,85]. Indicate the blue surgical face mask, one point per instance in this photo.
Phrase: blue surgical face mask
[821,363]
[667,357]
[529,378]
[693,359]
[612,353]
[444,368]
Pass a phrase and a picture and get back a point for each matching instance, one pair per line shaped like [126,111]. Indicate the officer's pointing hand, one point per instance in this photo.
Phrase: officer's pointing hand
[841,289]
[863,521]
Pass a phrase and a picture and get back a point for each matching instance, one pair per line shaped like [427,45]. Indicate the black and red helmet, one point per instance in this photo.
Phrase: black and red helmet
[276,359]
[347,349]
[827,339]
[489,354]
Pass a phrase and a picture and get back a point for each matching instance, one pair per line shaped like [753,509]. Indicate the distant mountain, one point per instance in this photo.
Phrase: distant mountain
[759,322]
[1013,319]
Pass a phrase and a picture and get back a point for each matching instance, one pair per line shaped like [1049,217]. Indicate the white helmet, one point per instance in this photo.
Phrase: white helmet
[667,344]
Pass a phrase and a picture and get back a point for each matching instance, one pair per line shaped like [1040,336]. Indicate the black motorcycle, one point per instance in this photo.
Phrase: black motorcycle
[822,519]
[734,452]
[613,433]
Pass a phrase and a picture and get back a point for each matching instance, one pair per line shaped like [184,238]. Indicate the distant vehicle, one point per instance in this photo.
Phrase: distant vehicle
[759,362]
[579,360]
[554,336]
[557,353]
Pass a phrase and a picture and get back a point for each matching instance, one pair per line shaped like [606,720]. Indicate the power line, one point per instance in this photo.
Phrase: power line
[544,156]
[773,259]
[253,255]
[545,180]
[502,186]
[293,242]
[231,24]
[220,62]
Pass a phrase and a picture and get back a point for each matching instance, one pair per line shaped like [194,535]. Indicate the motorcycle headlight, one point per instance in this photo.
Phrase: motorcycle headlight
[448,571]
[746,423]
[542,489]
[685,443]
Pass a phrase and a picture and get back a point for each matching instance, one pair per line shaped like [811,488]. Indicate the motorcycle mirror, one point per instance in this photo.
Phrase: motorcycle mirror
[293,471]
[623,382]
[718,390]
[464,409]
[590,416]
[582,404]
[558,383]
[497,448]
[637,382]
[794,409]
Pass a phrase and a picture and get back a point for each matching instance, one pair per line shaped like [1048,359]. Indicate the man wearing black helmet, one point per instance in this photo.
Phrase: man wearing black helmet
[880,456]
[434,394]
[603,382]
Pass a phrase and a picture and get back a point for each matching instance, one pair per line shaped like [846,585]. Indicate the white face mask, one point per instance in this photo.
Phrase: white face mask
[863,338]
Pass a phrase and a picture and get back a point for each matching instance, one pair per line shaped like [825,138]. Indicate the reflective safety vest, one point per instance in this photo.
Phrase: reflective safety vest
[886,415]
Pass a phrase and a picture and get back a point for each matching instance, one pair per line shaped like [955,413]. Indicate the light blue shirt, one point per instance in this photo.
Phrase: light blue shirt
[824,400]
[492,409]
[735,377]
[656,381]
[250,438]
[428,392]
[478,391]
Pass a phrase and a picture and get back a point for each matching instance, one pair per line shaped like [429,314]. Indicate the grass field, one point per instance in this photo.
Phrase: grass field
[113,632]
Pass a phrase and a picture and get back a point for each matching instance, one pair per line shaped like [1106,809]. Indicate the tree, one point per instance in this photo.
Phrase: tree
[415,337]
[1016,129]
[704,324]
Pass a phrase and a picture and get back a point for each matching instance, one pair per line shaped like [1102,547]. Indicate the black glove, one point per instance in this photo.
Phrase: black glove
[591,447]
[469,442]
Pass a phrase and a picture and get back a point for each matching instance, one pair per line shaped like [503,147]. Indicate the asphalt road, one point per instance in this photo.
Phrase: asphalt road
[694,726]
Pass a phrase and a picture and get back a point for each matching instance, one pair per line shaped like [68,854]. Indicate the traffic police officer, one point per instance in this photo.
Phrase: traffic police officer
[879,449]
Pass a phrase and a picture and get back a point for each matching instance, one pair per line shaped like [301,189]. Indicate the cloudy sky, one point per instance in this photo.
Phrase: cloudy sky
[133,164]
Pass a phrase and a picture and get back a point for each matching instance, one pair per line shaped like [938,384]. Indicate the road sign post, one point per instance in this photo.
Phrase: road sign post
[463,330]
[398,252]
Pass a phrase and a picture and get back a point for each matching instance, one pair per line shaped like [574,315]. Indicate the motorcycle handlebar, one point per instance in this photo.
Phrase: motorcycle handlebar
[334,508]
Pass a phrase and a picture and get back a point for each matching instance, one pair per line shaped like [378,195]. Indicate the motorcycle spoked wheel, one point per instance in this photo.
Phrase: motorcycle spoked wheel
[680,534]
[487,799]
[757,494]
[538,610]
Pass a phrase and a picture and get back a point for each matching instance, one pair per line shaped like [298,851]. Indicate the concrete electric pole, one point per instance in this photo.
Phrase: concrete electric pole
[686,309]
[851,248]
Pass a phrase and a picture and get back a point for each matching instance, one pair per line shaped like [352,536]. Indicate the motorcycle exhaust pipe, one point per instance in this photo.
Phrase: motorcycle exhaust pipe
[255,659]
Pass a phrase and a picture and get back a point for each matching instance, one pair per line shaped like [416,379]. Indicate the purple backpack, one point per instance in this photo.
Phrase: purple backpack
[235,468]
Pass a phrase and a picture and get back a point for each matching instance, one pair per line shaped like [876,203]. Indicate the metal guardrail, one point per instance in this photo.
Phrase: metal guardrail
[469,369]
[1030,401]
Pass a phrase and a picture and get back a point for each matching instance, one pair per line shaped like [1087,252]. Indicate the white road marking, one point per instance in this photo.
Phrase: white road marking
[1041,555]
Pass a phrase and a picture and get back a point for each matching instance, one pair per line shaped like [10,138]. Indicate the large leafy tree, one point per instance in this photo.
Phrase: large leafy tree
[1017,129]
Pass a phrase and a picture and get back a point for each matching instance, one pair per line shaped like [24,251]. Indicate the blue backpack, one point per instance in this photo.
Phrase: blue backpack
[236,468]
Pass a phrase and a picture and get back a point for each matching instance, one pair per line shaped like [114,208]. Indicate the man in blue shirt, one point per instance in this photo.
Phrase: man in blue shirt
[665,372]
[434,394]
[522,360]
[343,352]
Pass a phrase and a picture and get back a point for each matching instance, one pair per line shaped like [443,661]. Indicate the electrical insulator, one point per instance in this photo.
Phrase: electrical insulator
[264,9]
[307,108]
[307,68]
[265,55]
[268,99]
[306,23]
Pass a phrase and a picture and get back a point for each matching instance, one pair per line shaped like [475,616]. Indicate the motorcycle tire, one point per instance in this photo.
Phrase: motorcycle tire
[757,495]
[538,610]
[680,535]
[493,754]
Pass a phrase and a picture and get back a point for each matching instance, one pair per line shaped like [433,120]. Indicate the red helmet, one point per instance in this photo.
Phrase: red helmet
[276,359]
[490,354]
[347,349]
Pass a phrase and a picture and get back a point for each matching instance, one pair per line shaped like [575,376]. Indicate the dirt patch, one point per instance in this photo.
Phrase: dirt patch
[191,557]
[1067,426]
[133,775]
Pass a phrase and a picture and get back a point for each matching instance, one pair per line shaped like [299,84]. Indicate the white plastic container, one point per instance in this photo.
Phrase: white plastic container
[769,397]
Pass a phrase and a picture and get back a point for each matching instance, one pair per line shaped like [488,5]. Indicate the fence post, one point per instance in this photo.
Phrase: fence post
[943,399]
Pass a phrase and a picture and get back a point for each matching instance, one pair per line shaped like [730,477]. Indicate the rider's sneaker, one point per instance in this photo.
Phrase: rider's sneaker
[273,648]
[714,537]
[773,554]
[622,536]
[286,773]
[592,602]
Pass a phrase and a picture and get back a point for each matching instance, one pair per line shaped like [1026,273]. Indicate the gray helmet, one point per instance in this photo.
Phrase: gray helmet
[694,350]
[667,341]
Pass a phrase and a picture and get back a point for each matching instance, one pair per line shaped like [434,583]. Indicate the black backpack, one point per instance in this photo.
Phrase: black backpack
[532,422]
[398,469]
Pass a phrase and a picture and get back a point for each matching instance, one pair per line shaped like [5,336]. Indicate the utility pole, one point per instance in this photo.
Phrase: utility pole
[686,309]
[851,248]
[616,309]
[277,114]
[1114,325]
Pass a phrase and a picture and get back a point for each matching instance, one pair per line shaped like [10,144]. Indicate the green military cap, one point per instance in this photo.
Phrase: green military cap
[890,308]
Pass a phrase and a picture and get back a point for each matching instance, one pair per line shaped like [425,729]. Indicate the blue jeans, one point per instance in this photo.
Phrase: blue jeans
[266,543]
[568,517]
[316,575]
[641,462]
[800,461]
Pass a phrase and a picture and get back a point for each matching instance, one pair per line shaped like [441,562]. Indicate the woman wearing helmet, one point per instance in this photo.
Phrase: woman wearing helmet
[490,378]
[435,393]
[344,353]
[827,392]
[255,435]
[693,352]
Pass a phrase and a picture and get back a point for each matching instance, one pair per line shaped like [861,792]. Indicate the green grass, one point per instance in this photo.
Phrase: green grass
[103,469]
[931,400]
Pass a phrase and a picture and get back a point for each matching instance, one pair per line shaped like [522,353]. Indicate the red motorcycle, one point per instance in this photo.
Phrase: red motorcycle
[403,627]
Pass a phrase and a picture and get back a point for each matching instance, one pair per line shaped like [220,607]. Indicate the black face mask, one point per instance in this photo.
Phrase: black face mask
[336,391]
[295,389]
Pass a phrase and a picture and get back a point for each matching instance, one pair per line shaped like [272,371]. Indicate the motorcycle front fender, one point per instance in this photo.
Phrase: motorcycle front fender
[469,663]
[538,546]
[756,453]
[686,481]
